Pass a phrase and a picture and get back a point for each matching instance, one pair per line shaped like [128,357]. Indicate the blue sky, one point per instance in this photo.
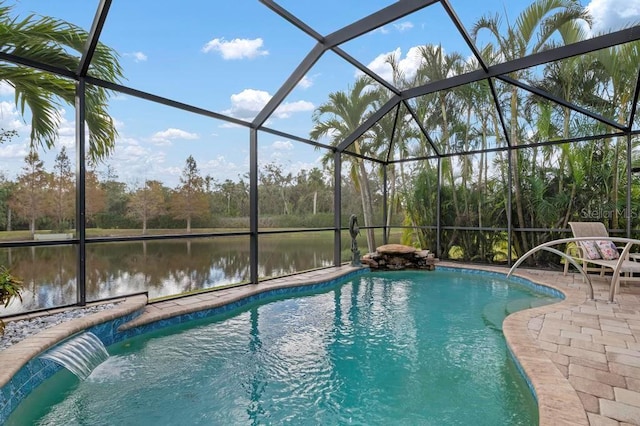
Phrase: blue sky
[231,57]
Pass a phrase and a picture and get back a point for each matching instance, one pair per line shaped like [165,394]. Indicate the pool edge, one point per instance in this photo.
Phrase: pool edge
[25,370]
[558,402]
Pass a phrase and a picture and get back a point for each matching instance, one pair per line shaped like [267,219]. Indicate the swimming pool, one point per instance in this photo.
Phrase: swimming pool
[408,347]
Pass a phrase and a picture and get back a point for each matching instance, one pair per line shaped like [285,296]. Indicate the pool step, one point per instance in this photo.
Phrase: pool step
[543,301]
[518,305]
[494,313]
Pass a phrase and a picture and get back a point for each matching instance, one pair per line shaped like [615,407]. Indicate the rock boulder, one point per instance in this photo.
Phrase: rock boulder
[398,256]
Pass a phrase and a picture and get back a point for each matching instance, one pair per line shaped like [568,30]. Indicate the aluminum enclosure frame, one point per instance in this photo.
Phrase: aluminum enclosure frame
[399,98]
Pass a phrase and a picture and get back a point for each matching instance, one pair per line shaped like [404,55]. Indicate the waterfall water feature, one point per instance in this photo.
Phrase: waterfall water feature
[80,354]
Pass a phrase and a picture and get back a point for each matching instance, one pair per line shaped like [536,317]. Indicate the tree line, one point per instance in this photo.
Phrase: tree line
[39,199]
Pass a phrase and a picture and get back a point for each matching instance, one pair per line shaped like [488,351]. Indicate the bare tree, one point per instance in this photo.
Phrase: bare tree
[147,203]
[189,199]
[95,197]
[61,202]
[29,198]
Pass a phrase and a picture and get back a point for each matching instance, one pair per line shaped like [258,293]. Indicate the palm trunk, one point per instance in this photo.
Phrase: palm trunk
[465,167]
[454,196]
[315,202]
[391,202]
[616,175]
[515,169]
[367,206]
[481,171]
[572,196]
[285,207]
[367,203]
[445,138]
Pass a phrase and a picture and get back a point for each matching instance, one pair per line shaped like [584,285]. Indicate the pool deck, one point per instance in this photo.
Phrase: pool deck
[581,356]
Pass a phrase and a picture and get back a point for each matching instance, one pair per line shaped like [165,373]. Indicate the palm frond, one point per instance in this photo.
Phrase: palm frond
[59,43]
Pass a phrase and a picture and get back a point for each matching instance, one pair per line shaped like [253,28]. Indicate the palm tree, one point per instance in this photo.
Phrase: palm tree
[531,33]
[52,42]
[338,118]
[441,113]
[620,66]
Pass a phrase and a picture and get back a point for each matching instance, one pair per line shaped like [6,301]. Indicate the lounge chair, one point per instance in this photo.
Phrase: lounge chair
[582,251]
[602,252]
[624,264]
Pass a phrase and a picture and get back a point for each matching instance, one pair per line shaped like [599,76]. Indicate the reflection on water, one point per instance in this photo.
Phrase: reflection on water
[403,349]
[160,267]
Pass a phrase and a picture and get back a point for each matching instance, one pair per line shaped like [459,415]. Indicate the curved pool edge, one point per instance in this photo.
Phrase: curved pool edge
[205,304]
[16,356]
[25,370]
[558,401]
[22,369]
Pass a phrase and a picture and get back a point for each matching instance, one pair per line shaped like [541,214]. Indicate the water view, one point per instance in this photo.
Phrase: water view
[162,268]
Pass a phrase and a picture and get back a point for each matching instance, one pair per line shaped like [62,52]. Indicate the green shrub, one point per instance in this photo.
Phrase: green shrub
[10,288]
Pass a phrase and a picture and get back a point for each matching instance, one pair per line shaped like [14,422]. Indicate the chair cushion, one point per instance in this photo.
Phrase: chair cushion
[590,249]
[608,250]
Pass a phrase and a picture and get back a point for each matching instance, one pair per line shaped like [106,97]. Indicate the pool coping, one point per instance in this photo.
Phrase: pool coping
[558,401]
[16,356]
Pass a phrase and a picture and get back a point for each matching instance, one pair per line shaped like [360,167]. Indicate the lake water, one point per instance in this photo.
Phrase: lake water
[162,268]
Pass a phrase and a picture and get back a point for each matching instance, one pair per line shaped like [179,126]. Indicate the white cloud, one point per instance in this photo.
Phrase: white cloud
[408,65]
[229,125]
[380,66]
[286,109]
[611,15]
[137,56]
[399,26]
[248,103]
[411,62]
[298,166]
[381,30]
[13,151]
[6,89]
[238,48]
[118,123]
[220,168]
[67,132]
[403,26]
[10,118]
[282,146]
[135,162]
[173,171]
[306,82]
[115,96]
[166,136]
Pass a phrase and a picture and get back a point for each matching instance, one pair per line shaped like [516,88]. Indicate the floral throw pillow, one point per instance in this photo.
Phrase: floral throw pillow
[608,250]
[590,249]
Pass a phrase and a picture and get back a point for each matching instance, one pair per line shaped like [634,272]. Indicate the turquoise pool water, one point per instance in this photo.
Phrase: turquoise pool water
[396,348]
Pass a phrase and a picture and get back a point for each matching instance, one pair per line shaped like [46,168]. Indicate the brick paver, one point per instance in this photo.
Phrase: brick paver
[602,359]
